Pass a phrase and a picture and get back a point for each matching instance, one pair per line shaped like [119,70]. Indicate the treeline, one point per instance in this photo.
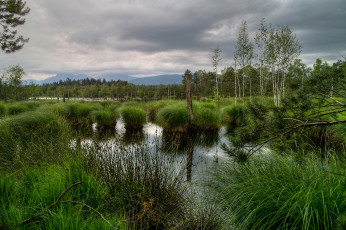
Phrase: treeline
[203,84]
[266,65]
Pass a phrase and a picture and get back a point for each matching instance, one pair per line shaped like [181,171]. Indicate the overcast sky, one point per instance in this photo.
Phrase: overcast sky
[149,37]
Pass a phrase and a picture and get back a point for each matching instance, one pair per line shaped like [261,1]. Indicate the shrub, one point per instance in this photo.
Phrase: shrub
[280,193]
[133,117]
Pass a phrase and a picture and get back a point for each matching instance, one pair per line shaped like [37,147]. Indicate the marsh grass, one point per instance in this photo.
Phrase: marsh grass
[31,138]
[3,110]
[154,106]
[29,191]
[31,105]
[207,117]
[320,140]
[16,108]
[133,117]
[77,114]
[105,118]
[280,193]
[142,183]
[235,116]
[175,117]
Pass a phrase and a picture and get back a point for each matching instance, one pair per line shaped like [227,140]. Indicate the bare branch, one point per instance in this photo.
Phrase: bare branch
[84,204]
[50,206]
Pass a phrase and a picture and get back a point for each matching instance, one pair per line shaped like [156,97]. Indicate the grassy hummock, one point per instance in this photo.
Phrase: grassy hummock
[31,138]
[134,117]
[105,117]
[77,114]
[3,110]
[175,117]
[235,116]
[207,117]
[154,106]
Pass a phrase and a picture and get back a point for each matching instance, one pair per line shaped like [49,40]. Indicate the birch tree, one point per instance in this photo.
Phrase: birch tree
[281,49]
[215,61]
[288,48]
[243,54]
[261,39]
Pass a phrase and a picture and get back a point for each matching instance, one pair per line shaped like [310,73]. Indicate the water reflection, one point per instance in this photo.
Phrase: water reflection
[194,151]
[131,137]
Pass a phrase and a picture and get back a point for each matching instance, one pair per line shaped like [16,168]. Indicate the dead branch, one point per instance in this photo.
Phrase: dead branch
[333,99]
[50,206]
[84,204]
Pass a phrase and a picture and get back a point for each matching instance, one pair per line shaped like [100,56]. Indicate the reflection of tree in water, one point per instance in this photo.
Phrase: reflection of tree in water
[208,138]
[133,137]
[105,133]
[184,143]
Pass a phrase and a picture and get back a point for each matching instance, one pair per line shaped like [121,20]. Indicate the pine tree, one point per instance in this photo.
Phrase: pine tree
[11,12]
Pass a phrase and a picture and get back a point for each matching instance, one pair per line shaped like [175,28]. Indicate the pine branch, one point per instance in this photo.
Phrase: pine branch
[282,133]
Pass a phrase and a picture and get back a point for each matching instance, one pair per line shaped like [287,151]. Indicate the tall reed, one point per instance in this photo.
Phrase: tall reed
[143,183]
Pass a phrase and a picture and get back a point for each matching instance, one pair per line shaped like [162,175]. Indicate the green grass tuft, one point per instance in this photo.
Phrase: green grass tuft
[173,117]
[280,193]
[16,108]
[105,117]
[133,117]
[32,137]
[3,110]
[235,116]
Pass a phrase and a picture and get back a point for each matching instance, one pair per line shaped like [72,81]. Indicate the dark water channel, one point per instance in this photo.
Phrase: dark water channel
[194,153]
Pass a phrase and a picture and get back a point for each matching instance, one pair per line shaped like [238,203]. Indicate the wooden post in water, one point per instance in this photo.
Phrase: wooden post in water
[188,77]
[189,162]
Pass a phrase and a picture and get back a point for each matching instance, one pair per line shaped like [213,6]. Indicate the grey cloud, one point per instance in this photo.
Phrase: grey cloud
[180,33]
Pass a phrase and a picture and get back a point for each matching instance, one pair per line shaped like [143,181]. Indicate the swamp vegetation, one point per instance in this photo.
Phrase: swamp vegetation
[97,165]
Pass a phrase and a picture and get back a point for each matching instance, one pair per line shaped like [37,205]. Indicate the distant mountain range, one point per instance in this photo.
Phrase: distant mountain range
[167,79]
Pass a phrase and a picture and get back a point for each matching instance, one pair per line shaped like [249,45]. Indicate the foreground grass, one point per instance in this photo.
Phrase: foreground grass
[31,138]
[29,192]
[281,193]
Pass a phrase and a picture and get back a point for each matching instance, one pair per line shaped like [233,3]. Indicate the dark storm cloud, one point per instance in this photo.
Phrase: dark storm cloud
[161,36]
